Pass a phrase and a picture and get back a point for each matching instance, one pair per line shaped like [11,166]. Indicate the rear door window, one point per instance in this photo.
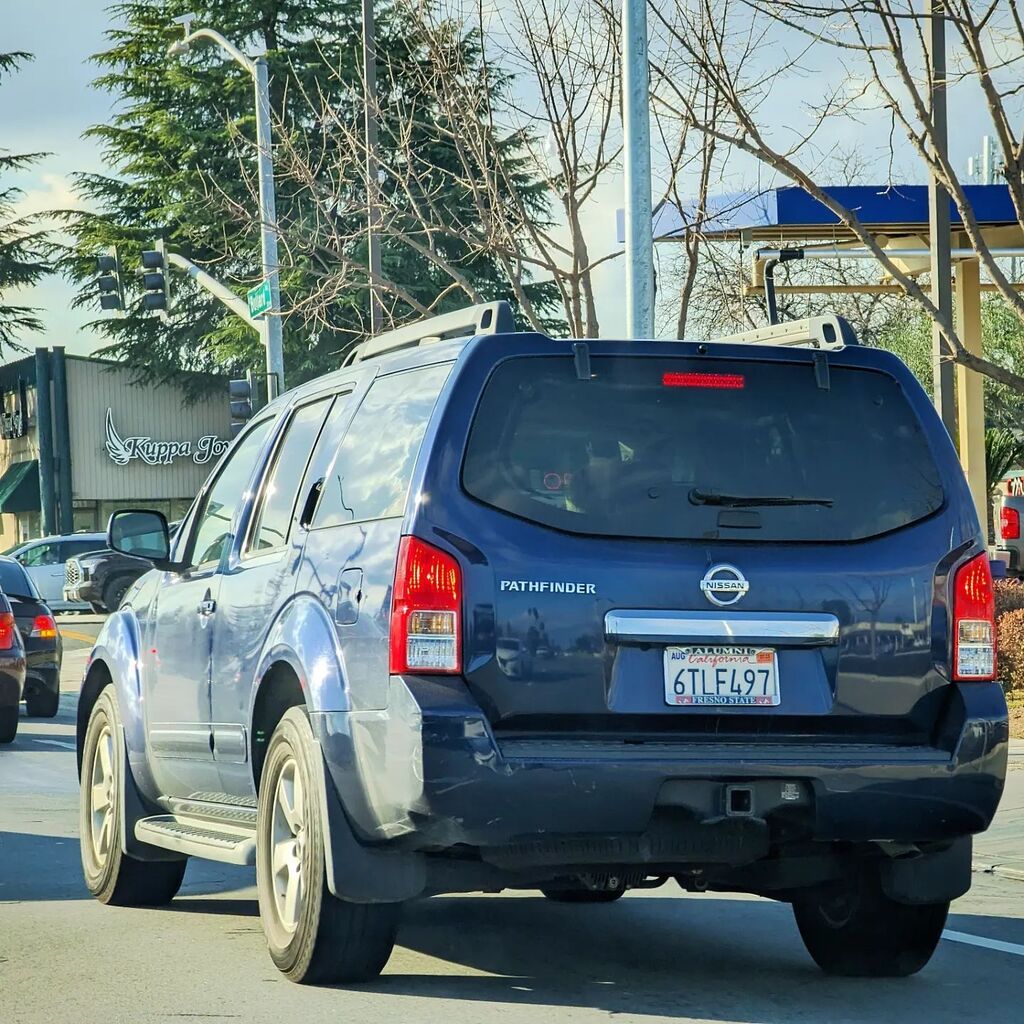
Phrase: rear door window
[371,474]
[690,449]
[281,485]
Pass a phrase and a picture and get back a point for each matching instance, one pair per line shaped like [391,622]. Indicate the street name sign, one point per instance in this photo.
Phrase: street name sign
[259,299]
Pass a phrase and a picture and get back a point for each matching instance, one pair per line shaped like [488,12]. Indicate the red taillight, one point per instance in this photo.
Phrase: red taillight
[1009,523]
[974,622]
[44,627]
[726,381]
[6,631]
[426,605]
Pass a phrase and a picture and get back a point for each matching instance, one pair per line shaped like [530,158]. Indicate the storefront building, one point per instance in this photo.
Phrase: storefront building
[80,437]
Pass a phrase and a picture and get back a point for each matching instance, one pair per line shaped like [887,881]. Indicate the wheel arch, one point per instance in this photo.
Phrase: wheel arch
[114,660]
[278,690]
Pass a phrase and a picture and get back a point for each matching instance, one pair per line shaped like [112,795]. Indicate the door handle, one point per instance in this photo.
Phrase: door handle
[207,607]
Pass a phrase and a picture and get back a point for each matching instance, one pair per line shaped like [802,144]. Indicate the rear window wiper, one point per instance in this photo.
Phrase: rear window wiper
[699,497]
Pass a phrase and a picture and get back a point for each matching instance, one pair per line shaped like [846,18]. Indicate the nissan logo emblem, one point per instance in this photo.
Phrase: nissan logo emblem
[724,584]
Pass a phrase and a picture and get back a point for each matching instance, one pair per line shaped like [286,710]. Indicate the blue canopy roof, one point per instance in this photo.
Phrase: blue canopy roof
[791,212]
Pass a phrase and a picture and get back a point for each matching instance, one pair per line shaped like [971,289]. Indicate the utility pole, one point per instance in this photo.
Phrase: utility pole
[372,167]
[636,128]
[944,375]
[272,329]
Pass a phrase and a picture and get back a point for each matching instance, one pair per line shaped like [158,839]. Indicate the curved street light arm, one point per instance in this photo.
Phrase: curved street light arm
[178,48]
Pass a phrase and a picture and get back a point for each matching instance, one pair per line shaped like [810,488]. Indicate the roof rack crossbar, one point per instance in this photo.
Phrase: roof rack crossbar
[485,318]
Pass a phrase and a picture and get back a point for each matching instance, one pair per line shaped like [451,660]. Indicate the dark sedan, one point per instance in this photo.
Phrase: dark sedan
[12,671]
[40,637]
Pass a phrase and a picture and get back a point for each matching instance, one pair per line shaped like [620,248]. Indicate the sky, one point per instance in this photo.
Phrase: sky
[50,103]
[46,106]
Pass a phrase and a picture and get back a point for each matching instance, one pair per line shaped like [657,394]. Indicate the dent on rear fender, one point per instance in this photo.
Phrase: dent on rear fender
[376,760]
[304,636]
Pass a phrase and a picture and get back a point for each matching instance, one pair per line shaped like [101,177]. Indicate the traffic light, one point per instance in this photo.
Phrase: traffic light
[109,280]
[155,291]
[241,394]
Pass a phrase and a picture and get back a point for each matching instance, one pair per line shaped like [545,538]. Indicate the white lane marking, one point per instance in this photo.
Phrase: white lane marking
[977,940]
[55,743]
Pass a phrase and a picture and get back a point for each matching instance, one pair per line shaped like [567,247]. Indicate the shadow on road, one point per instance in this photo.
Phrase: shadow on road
[36,867]
[44,868]
[703,958]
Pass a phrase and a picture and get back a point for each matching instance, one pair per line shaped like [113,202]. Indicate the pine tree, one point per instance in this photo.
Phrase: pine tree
[22,243]
[181,152]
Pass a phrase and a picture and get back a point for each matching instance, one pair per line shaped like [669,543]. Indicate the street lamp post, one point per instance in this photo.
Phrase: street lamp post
[636,128]
[272,328]
[372,167]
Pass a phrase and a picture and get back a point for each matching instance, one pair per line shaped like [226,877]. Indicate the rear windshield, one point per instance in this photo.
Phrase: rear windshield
[15,581]
[692,449]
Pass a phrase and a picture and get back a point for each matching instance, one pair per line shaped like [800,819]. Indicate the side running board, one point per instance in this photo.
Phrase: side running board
[204,828]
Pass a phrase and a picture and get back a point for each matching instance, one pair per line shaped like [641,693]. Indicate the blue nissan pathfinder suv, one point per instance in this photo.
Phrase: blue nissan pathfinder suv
[487,610]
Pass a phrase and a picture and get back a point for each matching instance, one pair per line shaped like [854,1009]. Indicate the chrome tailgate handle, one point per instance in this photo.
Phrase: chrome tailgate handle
[782,629]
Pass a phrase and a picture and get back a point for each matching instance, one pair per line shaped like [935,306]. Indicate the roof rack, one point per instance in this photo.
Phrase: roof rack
[486,318]
[828,332]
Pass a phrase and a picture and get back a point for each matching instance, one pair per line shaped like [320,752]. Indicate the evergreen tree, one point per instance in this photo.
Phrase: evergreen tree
[182,157]
[22,244]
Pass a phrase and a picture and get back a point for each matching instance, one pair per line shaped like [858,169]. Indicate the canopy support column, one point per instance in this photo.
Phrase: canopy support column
[970,387]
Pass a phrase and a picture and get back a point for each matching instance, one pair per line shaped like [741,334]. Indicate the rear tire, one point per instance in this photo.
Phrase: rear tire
[313,937]
[861,933]
[111,875]
[8,724]
[43,703]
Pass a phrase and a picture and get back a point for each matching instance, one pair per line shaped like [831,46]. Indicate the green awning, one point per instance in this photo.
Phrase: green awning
[19,487]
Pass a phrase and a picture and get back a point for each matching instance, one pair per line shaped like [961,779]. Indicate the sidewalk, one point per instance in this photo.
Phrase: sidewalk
[1000,850]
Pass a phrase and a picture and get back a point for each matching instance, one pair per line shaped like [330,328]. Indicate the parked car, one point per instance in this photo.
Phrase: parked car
[45,560]
[40,637]
[1008,510]
[310,679]
[102,577]
[12,672]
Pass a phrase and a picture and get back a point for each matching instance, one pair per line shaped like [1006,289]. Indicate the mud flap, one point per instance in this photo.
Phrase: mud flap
[133,808]
[359,873]
[933,877]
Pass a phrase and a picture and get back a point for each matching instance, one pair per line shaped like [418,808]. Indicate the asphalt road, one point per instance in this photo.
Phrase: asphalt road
[514,958]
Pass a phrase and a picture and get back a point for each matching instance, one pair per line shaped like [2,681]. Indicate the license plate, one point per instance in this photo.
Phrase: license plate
[740,676]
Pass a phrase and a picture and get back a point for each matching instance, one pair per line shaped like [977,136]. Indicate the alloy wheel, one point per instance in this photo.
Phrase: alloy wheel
[287,839]
[101,796]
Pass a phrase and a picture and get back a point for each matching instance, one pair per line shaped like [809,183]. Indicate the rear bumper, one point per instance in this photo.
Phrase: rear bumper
[42,671]
[429,772]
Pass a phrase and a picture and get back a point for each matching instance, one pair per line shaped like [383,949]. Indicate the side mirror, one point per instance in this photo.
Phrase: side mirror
[141,533]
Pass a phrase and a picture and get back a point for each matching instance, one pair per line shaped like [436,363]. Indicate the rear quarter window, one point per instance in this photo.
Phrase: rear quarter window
[371,473]
[700,449]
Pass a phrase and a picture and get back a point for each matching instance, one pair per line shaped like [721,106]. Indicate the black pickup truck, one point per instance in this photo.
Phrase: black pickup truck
[102,578]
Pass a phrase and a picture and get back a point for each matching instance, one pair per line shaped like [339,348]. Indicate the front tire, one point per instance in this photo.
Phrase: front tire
[313,937]
[111,875]
[861,933]
[113,593]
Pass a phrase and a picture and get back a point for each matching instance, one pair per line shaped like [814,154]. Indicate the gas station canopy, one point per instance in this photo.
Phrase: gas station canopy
[791,214]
